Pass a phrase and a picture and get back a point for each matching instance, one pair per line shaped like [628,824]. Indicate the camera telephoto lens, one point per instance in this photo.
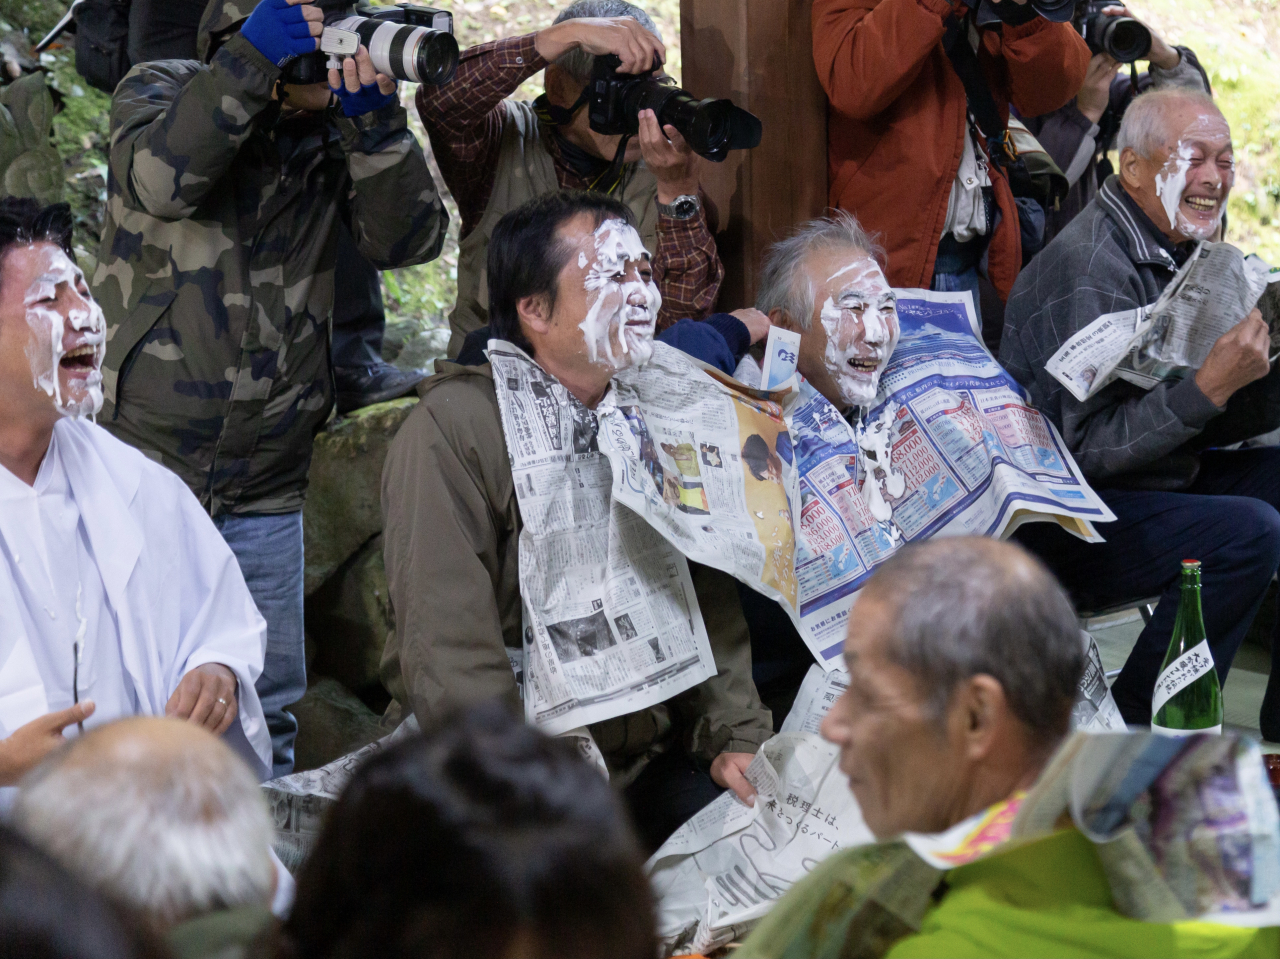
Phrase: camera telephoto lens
[406,51]
[1126,39]
[1119,37]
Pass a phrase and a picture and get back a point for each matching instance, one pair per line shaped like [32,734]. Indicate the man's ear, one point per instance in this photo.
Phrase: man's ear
[979,709]
[1131,168]
[780,317]
[535,313]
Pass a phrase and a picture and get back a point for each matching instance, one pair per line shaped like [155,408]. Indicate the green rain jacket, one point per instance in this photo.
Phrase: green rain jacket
[1046,898]
[216,265]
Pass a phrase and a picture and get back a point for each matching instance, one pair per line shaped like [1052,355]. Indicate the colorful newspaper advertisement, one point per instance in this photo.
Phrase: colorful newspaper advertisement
[708,464]
[1185,828]
[950,447]
[1213,291]
[611,622]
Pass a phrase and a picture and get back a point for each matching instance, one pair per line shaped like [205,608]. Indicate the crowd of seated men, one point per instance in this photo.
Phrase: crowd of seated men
[156,423]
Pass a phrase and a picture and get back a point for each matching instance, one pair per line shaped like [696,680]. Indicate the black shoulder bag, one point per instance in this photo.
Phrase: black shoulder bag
[1046,185]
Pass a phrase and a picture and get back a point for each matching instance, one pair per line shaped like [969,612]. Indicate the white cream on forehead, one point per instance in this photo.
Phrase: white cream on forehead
[879,338]
[45,351]
[617,331]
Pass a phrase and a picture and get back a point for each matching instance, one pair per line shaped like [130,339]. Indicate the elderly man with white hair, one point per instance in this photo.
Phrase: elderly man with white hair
[118,597]
[1155,455]
[825,282]
[164,818]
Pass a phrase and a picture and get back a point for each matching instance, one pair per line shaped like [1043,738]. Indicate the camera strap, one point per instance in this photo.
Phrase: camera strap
[982,105]
[611,177]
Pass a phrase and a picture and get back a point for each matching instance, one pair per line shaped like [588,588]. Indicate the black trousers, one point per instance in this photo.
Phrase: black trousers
[666,794]
[1228,520]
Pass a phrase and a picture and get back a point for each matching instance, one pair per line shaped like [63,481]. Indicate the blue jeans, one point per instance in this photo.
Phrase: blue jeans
[269,550]
[1227,519]
[958,282]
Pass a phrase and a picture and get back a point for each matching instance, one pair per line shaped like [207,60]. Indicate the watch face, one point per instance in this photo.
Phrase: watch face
[684,207]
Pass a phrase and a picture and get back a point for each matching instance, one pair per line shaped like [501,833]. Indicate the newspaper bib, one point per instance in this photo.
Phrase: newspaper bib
[950,448]
[1178,675]
[611,622]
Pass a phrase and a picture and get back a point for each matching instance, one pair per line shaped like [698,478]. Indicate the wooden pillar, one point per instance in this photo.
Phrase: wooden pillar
[759,54]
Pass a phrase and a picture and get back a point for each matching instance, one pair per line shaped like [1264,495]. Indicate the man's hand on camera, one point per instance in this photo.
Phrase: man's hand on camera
[1162,55]
[635,46]
[283,29]
[361,89]
[1239,357]
[670,159]
[1095,95]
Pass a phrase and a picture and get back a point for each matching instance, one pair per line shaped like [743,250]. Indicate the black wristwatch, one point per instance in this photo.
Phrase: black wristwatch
[681,208]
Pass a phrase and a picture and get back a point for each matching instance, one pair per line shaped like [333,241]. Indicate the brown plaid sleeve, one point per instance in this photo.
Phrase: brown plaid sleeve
[464,118]
[686,268]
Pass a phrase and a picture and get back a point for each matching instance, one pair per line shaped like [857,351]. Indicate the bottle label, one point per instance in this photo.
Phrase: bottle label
[1181,673]
[1166,731]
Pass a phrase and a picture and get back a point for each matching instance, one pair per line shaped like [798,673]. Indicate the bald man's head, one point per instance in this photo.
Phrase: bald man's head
[968,605]
[158,813]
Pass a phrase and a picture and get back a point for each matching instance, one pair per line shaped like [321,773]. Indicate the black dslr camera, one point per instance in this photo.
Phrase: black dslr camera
[1121,38]
[409,42]
[711,127]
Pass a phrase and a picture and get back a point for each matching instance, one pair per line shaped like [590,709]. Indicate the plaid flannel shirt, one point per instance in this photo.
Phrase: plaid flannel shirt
[464,120]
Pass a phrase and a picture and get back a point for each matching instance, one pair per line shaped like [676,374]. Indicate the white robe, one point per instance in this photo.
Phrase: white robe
[174,594]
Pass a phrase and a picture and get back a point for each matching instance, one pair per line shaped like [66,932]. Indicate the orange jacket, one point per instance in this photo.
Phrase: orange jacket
[895,130]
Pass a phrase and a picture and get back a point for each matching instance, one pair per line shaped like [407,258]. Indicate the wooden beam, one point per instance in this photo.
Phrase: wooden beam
[759,54]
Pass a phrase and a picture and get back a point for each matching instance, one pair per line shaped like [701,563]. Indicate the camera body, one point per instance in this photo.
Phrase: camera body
[1121,38]
[711,127]
[410,42]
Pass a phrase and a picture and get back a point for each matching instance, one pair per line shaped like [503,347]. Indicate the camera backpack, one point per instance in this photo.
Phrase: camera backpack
[102,42]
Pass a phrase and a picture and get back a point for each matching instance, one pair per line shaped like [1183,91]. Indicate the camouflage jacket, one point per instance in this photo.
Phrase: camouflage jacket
[216,266]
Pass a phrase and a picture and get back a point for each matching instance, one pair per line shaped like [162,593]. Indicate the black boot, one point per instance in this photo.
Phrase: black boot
[360,386]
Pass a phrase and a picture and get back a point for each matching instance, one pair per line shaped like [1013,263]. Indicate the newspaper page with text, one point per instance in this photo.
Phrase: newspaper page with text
[611,622]
[1214,290]
[709,464]
[951,447]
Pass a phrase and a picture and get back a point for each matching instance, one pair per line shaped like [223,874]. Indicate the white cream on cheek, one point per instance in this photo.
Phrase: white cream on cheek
[868,293]
[620,322]
[45,351]
[1209,131]
[1171,181]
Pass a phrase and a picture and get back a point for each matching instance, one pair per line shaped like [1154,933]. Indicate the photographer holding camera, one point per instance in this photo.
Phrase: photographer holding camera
[497,153]
[1079,134]
[903,154]
[229,182]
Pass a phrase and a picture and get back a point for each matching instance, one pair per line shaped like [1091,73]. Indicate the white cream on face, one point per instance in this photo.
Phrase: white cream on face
[861,323]
[875,441]
[623,311]
[1171,181]
[81,332]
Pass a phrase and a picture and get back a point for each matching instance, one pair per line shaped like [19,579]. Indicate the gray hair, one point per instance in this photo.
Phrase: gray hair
[784,284]
[172,832]
[578,64]
[1144,125]
[965,606]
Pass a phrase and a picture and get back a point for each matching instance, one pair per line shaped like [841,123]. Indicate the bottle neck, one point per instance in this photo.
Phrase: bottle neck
[1189,610]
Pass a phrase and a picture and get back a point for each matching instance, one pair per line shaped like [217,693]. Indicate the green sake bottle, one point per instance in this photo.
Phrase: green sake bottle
[1188,698]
